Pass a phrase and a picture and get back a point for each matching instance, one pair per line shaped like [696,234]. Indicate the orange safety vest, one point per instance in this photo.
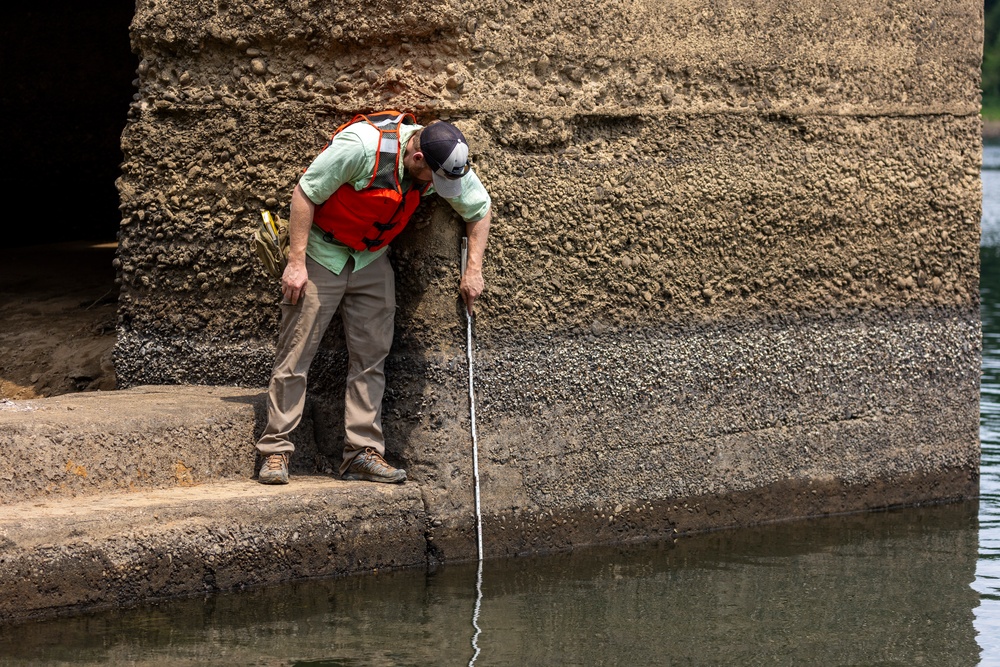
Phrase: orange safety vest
[370,218]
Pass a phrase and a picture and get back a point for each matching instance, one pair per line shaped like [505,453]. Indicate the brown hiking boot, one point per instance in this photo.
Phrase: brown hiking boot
[274,470]
[370,466]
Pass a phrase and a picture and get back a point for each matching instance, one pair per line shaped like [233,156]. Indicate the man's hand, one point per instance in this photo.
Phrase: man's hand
[471,287]
[472,279]
[293,281]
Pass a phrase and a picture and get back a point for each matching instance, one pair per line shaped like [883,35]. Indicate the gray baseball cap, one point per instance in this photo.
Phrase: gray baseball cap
[447,154]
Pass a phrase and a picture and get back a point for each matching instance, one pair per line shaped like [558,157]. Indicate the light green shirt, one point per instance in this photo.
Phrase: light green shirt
[350,158]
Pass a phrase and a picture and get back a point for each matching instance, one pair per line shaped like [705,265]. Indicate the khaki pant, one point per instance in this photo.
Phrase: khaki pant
[367,301]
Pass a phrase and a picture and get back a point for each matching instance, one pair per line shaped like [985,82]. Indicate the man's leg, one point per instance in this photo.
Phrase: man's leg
[302,329]
[368,311]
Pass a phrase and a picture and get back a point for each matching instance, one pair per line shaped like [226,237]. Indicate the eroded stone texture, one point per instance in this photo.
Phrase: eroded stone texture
[735,245]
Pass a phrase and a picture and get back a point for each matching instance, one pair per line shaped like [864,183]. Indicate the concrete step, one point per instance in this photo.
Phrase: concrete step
[139,438]
[113,549]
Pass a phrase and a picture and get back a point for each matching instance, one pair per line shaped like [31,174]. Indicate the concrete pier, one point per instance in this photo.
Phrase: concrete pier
[732,278]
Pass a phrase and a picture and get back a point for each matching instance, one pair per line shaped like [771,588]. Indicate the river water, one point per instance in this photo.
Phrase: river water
[909,587]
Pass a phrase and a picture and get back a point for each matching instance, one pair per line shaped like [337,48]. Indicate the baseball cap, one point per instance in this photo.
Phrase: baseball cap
[447,154]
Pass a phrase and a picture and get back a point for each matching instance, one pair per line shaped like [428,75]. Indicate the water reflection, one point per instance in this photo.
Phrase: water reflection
[859,590]
[887,588]
[988,568]
[991,196]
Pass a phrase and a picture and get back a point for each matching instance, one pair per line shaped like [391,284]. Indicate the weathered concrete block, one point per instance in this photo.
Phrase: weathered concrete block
[735,249]
[145,437]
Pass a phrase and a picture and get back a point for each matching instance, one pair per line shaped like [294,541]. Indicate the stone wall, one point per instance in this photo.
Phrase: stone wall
[733,273]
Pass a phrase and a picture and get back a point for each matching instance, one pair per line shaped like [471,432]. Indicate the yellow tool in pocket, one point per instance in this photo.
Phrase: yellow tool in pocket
[269,242]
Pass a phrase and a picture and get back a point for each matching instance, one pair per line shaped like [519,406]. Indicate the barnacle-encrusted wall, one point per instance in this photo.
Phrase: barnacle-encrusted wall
[735,245]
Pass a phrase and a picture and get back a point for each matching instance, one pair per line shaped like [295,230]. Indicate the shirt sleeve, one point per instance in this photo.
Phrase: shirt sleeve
[343,161]
[474,202]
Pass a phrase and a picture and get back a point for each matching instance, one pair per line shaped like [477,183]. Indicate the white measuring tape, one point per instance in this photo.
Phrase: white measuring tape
[472,411]
[475,469]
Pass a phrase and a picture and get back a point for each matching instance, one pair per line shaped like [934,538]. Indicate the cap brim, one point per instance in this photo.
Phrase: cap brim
[449,188]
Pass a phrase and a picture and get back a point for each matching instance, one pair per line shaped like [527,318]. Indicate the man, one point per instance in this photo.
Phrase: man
[355,197]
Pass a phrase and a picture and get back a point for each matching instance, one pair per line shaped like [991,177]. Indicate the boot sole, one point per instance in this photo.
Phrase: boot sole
[272,480]
[362,477]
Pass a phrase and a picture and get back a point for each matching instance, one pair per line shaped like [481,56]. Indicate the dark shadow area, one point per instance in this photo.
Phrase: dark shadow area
[57,319]
[68,68]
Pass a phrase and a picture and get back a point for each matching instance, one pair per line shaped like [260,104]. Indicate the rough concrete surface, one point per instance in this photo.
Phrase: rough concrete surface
[733,273]
[116,549]
[147,493]
[119,441]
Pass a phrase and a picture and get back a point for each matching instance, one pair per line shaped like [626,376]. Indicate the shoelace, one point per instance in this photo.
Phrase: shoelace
[373,459]
[275,461]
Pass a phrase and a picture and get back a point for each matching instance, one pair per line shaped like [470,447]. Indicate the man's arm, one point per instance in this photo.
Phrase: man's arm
[472,281]
[300,217]
[343,161]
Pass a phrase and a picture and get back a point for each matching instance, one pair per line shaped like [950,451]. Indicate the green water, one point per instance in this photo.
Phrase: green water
[888,589]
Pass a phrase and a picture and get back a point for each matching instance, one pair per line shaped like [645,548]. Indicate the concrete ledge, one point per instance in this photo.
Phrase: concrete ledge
[71,554]
[64,556]
[146,437]
[81,529]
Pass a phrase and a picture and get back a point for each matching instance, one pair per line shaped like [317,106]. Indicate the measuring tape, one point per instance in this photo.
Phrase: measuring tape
[472,411]
[475,469]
